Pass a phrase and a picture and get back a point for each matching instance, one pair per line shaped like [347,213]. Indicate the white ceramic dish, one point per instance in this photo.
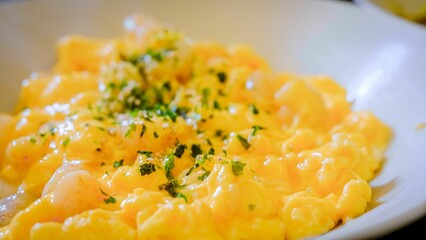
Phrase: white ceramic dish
[378,58]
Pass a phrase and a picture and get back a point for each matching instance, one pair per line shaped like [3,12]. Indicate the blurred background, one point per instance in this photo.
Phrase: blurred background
[410,10]
[413,11]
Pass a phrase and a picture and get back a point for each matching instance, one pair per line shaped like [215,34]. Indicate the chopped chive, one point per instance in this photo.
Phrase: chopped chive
[251,206]
[253,109]
[167,86]
[108,200]
[211,151]
[204,96]
[180,195]
[169,164]
[237,167]
[243,141]
[180,149]
[110,85]
[221,76]
[118,164]
[218,133]
[132,128]
[142,131]
[203,176]
[123,84]
[146,169]
[156,55]
[216,105]
[146,153]
[255,129]
[52,131]
[224,137]
[171,187]
[195,150]
[209,142]
[66,141]
[99,118]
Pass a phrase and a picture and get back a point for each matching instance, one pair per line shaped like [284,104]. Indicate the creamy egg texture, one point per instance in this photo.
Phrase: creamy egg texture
[154,135]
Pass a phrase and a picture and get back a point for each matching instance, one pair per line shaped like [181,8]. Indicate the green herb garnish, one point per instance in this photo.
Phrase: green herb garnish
[132,128]
[169,164]
[253,109]
[108,200]
[171,188]
[146,153]
[251,206]
[216,105]
[204,96]
[167,86]
[118,164]
[146,169]
[237,167]
[195,150]
[142,131]
[255,129]
[221,76]
[218,133]
[180,149]
[203,176]
[243,141]
[180,195]
[66,141]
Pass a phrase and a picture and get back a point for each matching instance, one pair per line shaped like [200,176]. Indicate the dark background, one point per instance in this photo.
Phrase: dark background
[413,231]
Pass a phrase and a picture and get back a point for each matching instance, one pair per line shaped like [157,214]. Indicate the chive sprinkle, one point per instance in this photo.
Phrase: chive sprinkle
[118,164]
[243,141]
[146,169]
[237,167]
[142,131]
[66,141]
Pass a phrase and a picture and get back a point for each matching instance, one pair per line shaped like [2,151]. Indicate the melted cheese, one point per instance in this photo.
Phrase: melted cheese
[156,136]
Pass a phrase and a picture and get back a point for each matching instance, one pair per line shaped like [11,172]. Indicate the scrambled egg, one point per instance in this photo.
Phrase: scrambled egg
[156,136]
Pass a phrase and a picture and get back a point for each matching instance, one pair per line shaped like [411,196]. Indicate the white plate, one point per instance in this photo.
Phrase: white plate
[378,58]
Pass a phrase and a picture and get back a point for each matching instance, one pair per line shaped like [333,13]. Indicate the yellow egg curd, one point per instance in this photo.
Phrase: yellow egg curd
[154,135]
